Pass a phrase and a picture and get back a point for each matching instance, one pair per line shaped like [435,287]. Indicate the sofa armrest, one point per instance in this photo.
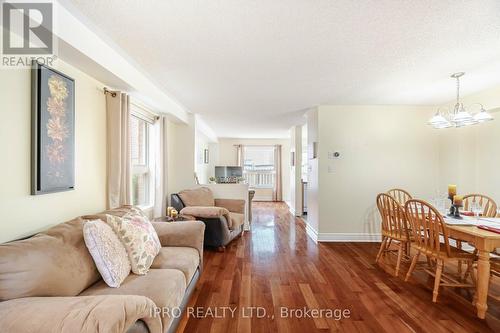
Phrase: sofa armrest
[108,313]
[232,205]
[185,233]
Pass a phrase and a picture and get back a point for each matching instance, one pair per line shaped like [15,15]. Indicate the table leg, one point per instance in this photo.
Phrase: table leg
[483,279]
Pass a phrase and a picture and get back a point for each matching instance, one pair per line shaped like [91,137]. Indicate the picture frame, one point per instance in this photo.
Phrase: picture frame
[52,130]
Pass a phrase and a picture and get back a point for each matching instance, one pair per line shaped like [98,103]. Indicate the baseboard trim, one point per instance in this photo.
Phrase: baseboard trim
[349,237]
[313,234]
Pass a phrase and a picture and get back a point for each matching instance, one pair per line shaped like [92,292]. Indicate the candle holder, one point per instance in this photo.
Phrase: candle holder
[454,210]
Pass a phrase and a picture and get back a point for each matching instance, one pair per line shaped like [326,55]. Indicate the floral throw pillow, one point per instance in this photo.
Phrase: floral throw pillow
[139,238]
[108,252]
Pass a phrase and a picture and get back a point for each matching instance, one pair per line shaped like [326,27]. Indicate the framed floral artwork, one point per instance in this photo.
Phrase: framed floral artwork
[52,131]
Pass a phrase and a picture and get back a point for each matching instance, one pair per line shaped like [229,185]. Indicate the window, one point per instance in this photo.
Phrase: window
[142,158]
[258,168]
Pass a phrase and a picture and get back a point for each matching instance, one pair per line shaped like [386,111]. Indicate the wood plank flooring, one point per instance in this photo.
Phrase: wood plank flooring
[277,266]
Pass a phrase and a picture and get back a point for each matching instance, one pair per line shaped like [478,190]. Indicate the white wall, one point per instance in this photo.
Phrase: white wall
[381,147]
[202,170]
[23,213]
[312,174]
[227,156]
[296,170]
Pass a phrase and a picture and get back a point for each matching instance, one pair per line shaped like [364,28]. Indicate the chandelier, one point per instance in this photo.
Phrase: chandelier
[459,116]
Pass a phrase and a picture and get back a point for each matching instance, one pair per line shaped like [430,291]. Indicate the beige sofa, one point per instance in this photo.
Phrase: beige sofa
[49,282]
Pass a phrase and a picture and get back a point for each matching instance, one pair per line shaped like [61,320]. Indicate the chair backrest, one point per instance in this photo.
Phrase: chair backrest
[427,225]
[400,195]
[488,204]
[393,216]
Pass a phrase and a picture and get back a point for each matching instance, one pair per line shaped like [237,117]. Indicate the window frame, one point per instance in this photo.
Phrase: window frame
[148,168]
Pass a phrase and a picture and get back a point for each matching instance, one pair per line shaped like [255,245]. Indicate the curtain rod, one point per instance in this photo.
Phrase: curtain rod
[107,91]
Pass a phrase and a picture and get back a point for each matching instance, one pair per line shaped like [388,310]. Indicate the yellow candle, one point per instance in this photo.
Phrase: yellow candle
[169,210]
[452,190]
[173,213]
[458,200]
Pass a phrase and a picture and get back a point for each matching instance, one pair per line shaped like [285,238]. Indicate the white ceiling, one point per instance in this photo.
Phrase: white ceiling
[250,67]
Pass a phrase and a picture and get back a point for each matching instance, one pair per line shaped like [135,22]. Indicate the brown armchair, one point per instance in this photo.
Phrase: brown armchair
[223,218]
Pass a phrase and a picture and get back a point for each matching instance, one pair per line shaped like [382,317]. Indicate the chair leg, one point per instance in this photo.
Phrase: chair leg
[407,249]
[412,265]
[437,280]
[459,268]
[382,247]
[400,255]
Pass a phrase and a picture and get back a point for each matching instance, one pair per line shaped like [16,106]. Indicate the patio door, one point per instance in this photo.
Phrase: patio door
[261,171]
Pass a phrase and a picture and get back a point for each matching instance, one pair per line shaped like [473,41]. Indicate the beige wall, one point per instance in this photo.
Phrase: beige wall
[24,214]
[470,156]
[381,147]
[227,156]
[181,155]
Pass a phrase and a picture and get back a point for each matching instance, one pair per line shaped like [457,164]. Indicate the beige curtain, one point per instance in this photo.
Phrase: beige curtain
[118,150]
[160,206]
[240,155]
[278,191]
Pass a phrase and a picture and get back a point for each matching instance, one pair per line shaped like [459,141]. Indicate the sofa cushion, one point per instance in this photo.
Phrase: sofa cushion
[185,259]
[108,252]
[53,263]
[165,287]
[139,238]
[201,196]
[237,220]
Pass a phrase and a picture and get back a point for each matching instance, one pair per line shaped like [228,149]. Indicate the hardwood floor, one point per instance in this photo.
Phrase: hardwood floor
[276,265]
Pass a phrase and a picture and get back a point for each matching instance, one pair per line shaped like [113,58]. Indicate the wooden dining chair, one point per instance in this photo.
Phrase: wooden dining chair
[394,227]
[400,195]
[489,208]
[488,204]
[430,238]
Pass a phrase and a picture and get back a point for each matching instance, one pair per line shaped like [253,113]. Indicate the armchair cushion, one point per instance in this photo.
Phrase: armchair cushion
[237,220]
[197,197]
[202,211]
[233,219]
[232,205]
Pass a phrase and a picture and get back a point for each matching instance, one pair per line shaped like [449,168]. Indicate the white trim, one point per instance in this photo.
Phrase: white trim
[203,127]
[349,237]
[311,232]
[70,28]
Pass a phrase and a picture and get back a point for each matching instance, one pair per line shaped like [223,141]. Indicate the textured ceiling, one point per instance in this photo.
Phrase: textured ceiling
[250,67]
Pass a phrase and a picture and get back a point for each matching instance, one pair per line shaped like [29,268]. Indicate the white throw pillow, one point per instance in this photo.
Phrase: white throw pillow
[139,238]
[108,252]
